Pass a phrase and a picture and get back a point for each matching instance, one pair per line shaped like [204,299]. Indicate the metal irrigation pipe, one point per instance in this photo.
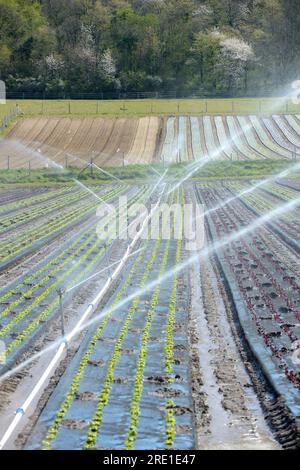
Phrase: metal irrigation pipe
[20,412]
[107,268]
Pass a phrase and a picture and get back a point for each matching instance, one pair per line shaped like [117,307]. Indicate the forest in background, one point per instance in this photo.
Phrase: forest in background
[212,47]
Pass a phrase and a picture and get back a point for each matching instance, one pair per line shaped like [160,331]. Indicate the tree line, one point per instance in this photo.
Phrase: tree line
[215,47]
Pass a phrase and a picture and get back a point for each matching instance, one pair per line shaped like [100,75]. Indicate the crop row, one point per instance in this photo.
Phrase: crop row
[54,428]
[245,146]
[248,133]
[258,138]
[280,290]
[262,203]
[13,195]
[284,140]
[96,422]
[169,347]
[284,193]
[230,136]
[168,147]
[197,142]
[241,138]
[266,141]
[108,380]
[75,260]
[81,242]
[139,378]
[30,201]
[209,138]
[42,273]
[14,220]
[10,250]
[288,125]
[183,154]
[267,286]
[135,409]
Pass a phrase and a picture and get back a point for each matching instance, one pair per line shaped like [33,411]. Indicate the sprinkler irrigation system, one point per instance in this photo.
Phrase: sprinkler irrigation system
[67,338]
[83,323]
[229,234]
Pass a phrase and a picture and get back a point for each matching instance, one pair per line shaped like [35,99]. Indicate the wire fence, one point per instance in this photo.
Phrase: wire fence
[145,103]
[158,107]
[9,117]
[131,95]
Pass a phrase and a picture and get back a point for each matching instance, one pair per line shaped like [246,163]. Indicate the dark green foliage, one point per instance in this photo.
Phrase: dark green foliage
[234,47]
[142,173]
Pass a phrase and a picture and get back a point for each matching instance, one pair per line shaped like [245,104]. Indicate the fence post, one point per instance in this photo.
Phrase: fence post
[60,293]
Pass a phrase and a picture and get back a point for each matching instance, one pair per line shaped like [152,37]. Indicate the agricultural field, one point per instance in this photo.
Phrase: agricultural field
[121,141]
[134,340]
[149,231]
[137,376]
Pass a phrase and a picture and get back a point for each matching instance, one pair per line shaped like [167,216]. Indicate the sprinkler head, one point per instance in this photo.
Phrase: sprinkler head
[61,291]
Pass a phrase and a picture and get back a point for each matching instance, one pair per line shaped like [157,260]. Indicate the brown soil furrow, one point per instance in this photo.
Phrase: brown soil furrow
[83,146]
[78,137]
[150,144]
[189,139]
[67,150]
[53,138]
[51,143]
[32,141]
[23,128]
[67,144]
[115,143]
[38,129]
[94,138]
[138,147]
[19,147]
[85,150]
[133,139]
[56,138]
[175,147]
[82,141]
[162,129]
[44,135]
[106,141]
[128,136]
[17,152]
[104,136]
